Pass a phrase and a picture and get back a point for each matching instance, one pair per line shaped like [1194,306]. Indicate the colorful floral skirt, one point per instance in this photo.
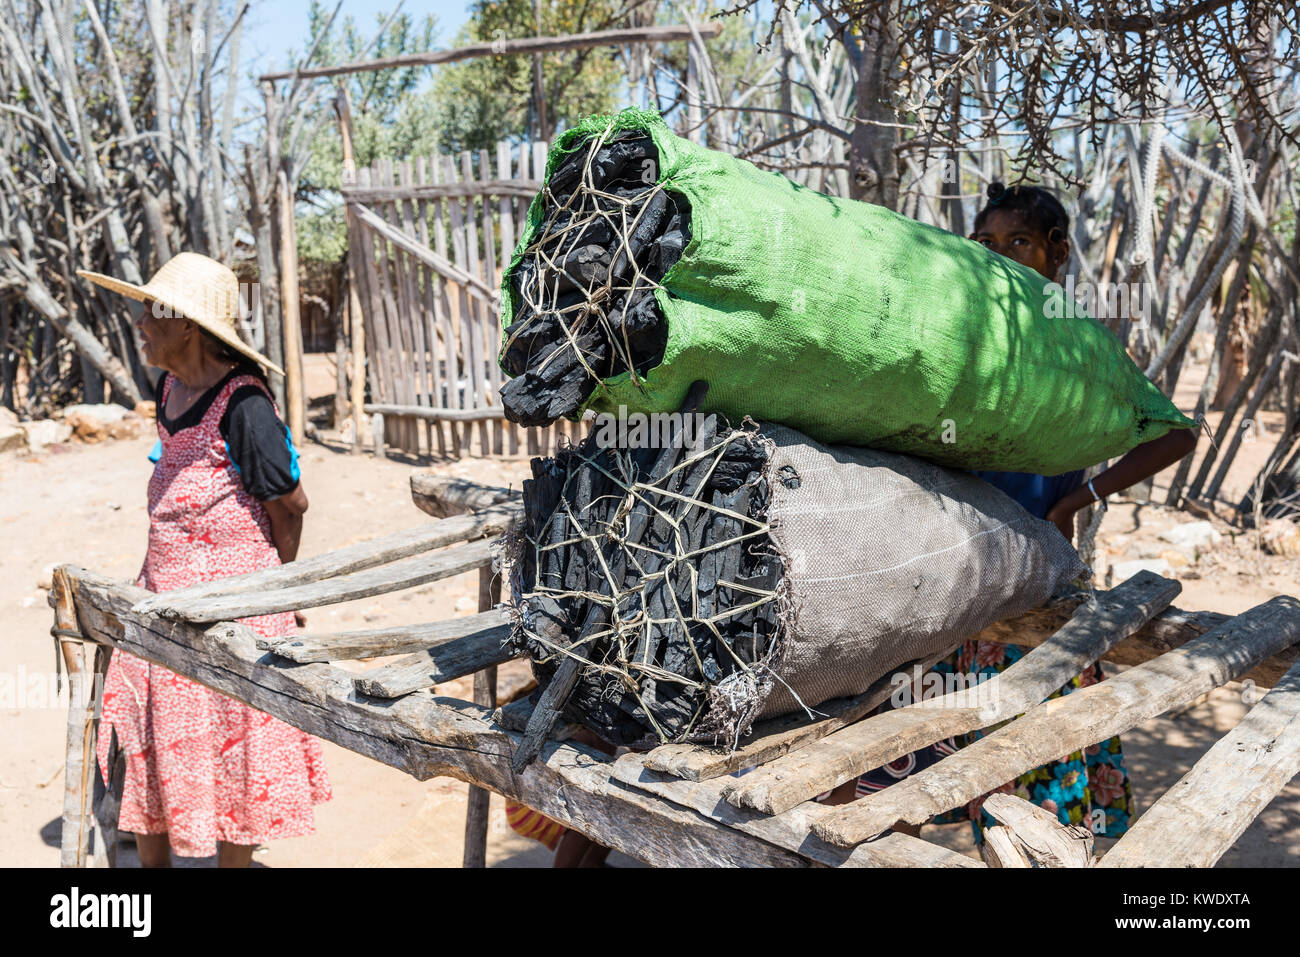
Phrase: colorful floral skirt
[1089,787]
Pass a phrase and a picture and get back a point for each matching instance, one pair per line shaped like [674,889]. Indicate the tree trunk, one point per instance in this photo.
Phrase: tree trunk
[39,298]
[873,162]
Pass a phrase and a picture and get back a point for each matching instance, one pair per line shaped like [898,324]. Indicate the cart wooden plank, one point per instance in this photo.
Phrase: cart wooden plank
[373,552]
[379,642]
[1072,722]
[846,754]
[432,666]
[1195,822]
[789,830]
[407,573]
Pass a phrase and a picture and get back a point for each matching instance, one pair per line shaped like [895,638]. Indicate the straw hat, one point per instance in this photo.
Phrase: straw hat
[194,287]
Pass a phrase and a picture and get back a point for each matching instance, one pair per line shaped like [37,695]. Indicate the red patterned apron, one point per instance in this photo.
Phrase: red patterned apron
[203,767]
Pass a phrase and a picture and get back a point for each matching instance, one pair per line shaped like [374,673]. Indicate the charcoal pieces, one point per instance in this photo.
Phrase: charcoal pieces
[585,287]
[668,570]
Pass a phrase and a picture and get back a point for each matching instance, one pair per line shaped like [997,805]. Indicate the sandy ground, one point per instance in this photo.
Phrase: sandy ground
[86,505]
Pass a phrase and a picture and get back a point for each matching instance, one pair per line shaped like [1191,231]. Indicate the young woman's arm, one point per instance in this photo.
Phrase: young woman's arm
[286,514]
[1144,461]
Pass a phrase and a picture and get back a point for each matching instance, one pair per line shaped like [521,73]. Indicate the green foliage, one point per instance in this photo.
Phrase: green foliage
[490,98]
[391,116]
[477,103]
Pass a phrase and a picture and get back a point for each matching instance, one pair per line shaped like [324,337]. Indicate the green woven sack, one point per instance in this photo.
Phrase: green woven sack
[858,326]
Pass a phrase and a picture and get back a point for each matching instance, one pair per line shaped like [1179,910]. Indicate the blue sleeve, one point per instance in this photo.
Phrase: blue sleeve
[1035,493]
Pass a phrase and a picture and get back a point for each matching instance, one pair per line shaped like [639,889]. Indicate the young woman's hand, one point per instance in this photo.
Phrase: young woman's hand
[1062,516]
[1144,461]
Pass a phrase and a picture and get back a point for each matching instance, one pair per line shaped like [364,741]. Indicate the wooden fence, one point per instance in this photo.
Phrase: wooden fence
[427,241]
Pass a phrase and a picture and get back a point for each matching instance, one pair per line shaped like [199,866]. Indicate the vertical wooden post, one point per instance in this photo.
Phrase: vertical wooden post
[271,292]
[294,397]
[539,87]
[83,721]
[75,837]
[485,694]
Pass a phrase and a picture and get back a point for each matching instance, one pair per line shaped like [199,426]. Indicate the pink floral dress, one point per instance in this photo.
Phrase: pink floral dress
[203,767]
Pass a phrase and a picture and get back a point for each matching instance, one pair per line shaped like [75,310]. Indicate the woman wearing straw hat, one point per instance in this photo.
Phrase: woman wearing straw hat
[205,773]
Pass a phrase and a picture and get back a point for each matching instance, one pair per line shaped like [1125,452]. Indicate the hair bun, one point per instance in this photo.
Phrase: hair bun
[997,189]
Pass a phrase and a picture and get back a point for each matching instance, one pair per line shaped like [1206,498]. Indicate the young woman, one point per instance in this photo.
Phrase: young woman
[207,774]
[1089,787]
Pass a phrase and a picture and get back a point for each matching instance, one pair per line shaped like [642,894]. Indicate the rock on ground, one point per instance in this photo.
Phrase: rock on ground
[1191,535]
[94,423]
[43,432]
[1282,537]
[1126,570]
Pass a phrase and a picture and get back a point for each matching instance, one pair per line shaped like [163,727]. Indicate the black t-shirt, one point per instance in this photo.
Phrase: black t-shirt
[258,442]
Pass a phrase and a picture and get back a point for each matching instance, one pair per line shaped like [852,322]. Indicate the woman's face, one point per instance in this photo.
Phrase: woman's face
[1007,233]
[164,340]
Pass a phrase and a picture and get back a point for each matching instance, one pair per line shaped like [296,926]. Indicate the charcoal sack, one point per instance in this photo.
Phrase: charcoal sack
[842,319]
[757,573]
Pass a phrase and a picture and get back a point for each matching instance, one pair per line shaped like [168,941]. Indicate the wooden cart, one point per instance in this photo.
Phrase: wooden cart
[692,805]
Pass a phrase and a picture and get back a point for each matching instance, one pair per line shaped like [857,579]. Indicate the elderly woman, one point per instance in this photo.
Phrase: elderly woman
[205,773]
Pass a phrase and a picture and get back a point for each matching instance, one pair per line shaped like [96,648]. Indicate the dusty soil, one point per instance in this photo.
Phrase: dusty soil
[85,504]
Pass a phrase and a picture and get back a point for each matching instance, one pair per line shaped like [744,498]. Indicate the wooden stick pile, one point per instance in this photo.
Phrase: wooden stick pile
[653,568]
[584,289]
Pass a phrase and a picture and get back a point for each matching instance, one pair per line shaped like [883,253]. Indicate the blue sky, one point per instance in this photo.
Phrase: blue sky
[275,27]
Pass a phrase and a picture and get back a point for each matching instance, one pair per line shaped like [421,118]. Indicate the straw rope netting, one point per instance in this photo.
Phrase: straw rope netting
[650,544]
[584,283]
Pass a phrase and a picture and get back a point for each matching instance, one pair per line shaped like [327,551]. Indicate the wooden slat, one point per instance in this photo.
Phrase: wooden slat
[432,321]
[374,581]
[427,191]
[1195,822]
[435,415]
[476,311]
[790,830]
[1167,631]
[403,267]
[1074,721]
[443,496]
[769,740]
[391,320]
[451,270]
[416,316]
[430,667]
[484,523]
[506,220]
[361,274]
[423,735]
[446,325]
[380,642]
[469,352]
[397,263]
[1095,627]
[381,360]
[491,323]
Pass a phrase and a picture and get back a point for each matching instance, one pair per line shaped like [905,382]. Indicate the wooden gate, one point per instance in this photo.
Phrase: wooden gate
[427,241]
